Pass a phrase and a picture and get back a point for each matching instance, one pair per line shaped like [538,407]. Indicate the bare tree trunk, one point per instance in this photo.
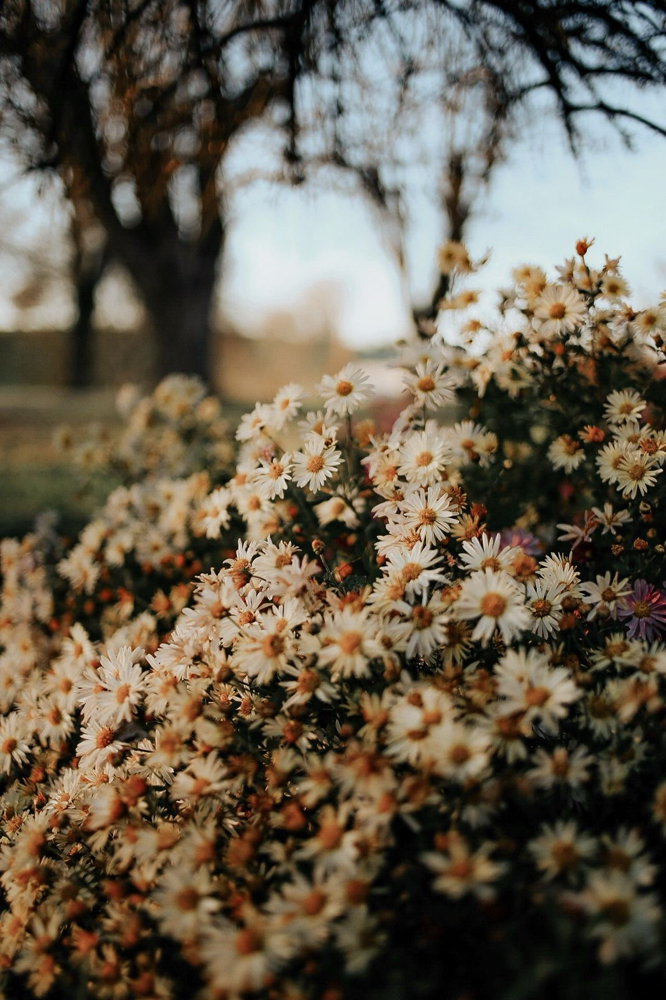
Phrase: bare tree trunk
[81,337]
[182,321]
[177,284]
[86,277]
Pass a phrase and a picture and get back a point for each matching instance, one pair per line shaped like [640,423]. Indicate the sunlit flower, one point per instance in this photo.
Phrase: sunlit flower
[561,310]
[497,601]
[315,464]
[429,385]
[345,392]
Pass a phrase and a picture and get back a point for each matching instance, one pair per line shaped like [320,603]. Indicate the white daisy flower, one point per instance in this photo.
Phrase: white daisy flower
[336,509]
[424,455]
[604,594]
[544,602]
[637,473]
[14,742]
[287,403]
[471,443]
[624,406]
[560,848]
[529,685]
[317,425]
[497,601]
[609,460]
[428,622]
[429,385]
[561,309]
[96,746]
[213,513]
[559,571]
[315,464]
[428,512]
[624,921]
[461,871]
[348,644]
[254,423]
[566,453]
[273,476]
[487,552]
[345,392]
[417,567]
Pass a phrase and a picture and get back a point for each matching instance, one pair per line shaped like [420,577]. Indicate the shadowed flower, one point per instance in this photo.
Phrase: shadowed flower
[645,610]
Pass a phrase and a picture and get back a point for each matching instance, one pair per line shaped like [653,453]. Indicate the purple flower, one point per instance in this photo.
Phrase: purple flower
[529,543]
[646,610]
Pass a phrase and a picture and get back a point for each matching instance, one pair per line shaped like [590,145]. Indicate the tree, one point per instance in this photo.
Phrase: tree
[463,74]
[135,104]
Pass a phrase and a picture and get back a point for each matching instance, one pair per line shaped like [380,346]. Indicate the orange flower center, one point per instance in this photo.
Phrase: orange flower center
[272,645]
[247,942]
[187,899]
[122,692]
[104,737]
[422,617]
[314,903]
[459,754]
[460,869]
[564,854]
[349,642]
[307,682]
[411,571]
[493,605]
[537,696]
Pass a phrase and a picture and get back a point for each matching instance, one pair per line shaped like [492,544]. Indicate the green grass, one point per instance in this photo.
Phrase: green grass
[25,492]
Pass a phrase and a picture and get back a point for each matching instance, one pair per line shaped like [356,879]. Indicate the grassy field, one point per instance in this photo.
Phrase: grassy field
[33,475]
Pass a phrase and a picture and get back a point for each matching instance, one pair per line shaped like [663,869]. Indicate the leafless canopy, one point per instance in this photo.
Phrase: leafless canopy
[135,104]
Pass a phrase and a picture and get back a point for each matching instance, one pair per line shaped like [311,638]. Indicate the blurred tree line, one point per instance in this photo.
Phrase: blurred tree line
[135,105]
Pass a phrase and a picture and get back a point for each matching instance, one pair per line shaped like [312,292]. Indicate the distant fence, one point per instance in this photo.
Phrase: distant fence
[244,369]
[41,357]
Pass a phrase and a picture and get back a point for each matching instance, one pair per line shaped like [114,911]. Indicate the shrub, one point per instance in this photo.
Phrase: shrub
[408,738]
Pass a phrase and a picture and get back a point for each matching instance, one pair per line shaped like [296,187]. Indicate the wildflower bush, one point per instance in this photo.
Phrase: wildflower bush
[177,430]
[370,715]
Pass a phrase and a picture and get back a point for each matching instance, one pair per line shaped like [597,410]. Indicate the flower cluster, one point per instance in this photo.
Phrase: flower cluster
[404,737]
[176,430]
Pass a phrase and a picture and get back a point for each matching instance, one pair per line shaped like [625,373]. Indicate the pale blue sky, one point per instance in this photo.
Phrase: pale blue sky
[540,202]
[283,241]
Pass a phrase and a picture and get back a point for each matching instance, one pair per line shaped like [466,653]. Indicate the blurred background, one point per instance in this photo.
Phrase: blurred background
[255,192]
